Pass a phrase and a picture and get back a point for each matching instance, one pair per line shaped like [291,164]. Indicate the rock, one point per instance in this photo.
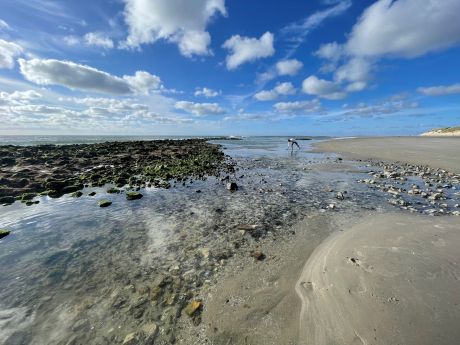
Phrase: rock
[104,203]
[257,254]
[133,196]
[193,308]
[92,194]
[113,190]
[131,339]
[71,189]
[340,196]
[4,233]
[204,252]
[232,186]
[77,194]
[150,330]
[7,200]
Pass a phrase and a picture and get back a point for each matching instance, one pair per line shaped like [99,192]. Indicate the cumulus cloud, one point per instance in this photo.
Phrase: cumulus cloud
[18,97]
[81,77]
[322,88]
[299,107]
[99,40]
[440,90]
[406,28]
[281,89]
[266,95]
[386,107]
[8,52]
[177,21]
[248,49]
[143,82]
[288,67]
[200,109]
[205,92]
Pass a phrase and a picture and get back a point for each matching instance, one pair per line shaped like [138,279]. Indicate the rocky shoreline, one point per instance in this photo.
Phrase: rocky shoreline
[55,170]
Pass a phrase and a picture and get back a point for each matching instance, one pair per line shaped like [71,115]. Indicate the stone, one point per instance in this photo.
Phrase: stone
[130,339]
[133,196]
[232,186]
[92,194]
[104,203]
[113,190]
[7,200]
[77,194]
[4,233]
[193,308]
[340,196]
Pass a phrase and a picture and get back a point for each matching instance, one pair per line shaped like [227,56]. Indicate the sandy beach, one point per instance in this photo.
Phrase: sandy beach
[437,152]
[368,277]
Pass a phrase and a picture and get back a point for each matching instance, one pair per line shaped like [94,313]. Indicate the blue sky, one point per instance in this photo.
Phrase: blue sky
[212,67]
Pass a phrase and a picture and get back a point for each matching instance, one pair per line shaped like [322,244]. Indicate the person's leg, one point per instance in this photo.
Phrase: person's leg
[297,145]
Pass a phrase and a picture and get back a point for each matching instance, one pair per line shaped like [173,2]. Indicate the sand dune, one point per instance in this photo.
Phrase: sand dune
[391,279]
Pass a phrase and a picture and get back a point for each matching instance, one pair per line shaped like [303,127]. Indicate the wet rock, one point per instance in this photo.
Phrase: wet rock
[92,194]
[131,339]
[4,233]
[104,203]
[7,200]
[232,186]
[340,196]
[77,194]
[71,189]
[133,196]
[113,190]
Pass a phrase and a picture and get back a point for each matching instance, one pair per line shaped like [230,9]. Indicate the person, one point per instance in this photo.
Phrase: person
[291,143]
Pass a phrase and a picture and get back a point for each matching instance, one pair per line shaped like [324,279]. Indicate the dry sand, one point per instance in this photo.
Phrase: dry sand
[391,279]
[437,152]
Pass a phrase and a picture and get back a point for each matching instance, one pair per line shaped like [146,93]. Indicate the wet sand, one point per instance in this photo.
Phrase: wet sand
[390,279]
[432,151]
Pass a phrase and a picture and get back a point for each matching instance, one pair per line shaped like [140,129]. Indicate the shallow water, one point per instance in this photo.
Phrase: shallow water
[74,273]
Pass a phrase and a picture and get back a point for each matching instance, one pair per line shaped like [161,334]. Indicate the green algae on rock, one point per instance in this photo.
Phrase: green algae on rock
[133,196]
[4,233]
[104,203]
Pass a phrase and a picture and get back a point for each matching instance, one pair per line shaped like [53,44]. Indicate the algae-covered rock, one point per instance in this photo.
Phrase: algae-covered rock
[92,194]
[133,196]
[104,203]
[113,190]
[77,194]
[4,233]
[7,200]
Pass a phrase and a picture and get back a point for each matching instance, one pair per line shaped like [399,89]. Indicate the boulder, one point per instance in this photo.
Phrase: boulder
[4,233]
[104,203]
[133,196]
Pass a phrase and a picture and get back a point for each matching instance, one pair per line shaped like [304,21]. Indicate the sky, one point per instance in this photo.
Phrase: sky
[220,67]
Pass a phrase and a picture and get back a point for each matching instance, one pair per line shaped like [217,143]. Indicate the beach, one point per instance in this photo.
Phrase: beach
[301,251]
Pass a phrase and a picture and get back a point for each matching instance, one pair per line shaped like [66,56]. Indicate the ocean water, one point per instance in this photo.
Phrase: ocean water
[90,139]
[68,262]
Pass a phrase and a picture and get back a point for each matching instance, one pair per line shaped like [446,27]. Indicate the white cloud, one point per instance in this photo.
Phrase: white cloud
[143,82]
[330,51]
[322,88]
[248,49]
[406,28]
[208,93]
[200,109]
[85,78]
[280,89]
[356,71]
[177,21]
[4,25]
[288,67]
[285,89]
[440,90]
[266,95]
[8,52]
[71,40]
[99,40]
[386,107]
[299,107]
[18,97]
